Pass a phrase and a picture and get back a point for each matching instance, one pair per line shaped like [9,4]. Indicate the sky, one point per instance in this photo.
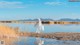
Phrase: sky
[31,9]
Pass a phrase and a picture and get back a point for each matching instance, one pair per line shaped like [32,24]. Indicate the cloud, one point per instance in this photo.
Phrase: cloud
[54,3]
[7,4]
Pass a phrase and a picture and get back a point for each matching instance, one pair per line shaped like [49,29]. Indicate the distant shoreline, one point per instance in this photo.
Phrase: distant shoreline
[43,22]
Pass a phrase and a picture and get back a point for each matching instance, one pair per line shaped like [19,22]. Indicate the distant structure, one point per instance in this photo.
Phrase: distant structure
[39,26]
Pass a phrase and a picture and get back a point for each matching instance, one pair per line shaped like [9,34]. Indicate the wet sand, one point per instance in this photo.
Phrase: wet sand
[57,35]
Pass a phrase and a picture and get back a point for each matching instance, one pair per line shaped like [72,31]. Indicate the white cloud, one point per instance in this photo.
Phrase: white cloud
[7,4]
[54,3]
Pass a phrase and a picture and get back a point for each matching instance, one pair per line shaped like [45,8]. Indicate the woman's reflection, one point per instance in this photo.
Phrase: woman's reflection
[39,41]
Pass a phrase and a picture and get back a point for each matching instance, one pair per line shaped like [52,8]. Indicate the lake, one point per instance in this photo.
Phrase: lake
[48,29]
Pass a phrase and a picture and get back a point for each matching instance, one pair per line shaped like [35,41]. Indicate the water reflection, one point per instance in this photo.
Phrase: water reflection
[39,41]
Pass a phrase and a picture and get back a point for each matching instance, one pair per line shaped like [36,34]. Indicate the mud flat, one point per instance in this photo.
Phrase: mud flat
[57,35]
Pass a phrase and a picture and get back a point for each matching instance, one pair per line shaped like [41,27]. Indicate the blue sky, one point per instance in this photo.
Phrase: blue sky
[25,9]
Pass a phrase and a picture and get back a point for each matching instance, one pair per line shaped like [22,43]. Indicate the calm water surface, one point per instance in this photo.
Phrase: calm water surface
[48,29]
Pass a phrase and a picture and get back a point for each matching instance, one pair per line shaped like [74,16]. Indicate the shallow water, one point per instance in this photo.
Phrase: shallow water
[44,41]
[48,29]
